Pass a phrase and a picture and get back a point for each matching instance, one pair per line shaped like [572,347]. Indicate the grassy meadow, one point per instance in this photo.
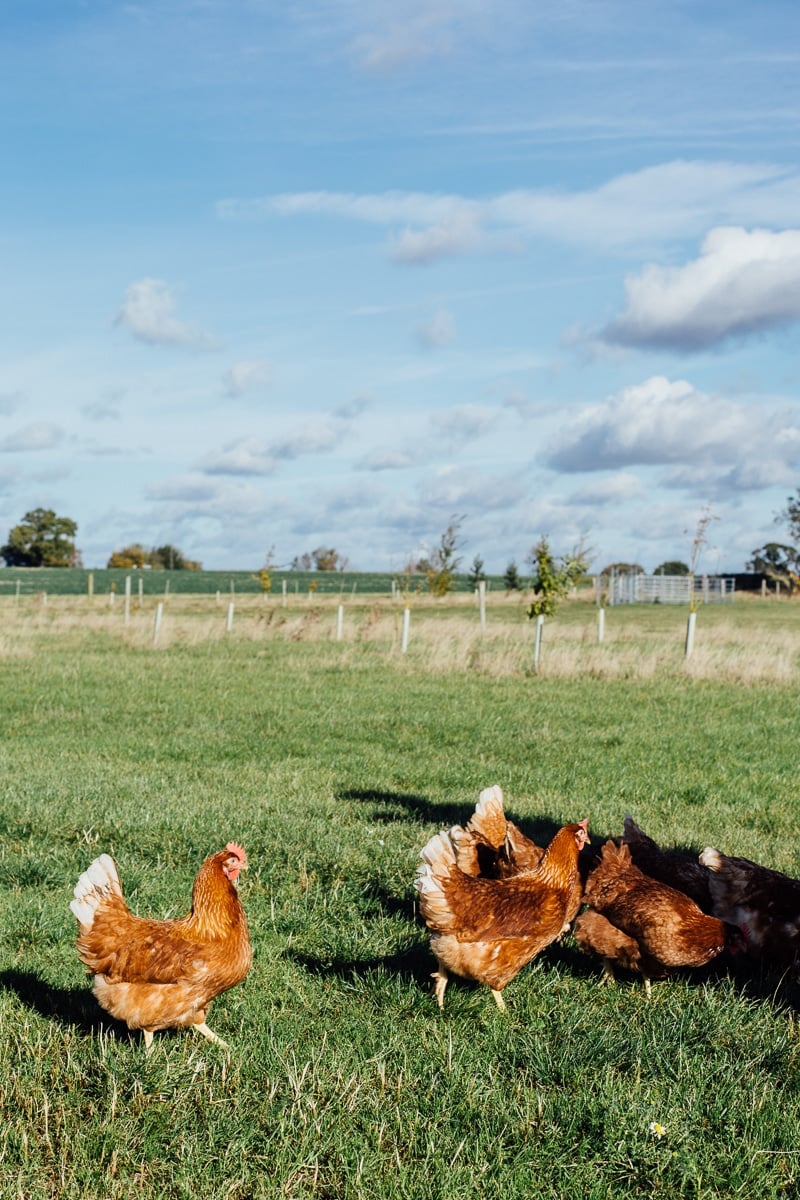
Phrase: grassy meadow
[333,760]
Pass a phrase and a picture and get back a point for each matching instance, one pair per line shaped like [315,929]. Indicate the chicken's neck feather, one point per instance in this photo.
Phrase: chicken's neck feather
[215,903]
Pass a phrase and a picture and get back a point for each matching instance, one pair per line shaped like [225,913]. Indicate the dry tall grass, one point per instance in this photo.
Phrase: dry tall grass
[747,643]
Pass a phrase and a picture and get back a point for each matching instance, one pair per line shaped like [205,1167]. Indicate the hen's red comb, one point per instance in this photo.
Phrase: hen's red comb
[235,848]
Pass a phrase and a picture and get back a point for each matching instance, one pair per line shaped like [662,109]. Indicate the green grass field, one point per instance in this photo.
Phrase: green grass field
[333,762]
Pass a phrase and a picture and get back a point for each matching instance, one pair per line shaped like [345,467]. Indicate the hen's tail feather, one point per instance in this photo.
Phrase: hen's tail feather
[489,818]
[711,858]
[438,858]
[100,879]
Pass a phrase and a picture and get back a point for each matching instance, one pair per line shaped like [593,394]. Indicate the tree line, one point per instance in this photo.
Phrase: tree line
[45,539]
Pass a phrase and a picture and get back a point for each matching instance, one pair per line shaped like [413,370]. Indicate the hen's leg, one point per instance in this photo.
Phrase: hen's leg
[608,971]
[201,1027]
[148,1039]
[441,983]
[499,1001]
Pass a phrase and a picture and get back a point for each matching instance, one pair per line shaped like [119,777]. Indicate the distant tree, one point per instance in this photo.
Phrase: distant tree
[553,577]
[169,558]
[418,566]
[791,516]
[445,559]
[42,539]
[623,568]
[773,556]
[511,579]
[326,558]
[264,576]
[476,572]
[778,562]
[133,556]
[672,568]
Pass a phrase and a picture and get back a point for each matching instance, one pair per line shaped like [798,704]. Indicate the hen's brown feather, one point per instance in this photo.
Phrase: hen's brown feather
[674,867]
[493,847]
[595,934]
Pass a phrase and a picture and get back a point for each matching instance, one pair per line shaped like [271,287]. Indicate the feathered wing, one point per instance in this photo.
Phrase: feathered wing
[488,929]
[112,941]
[473,908]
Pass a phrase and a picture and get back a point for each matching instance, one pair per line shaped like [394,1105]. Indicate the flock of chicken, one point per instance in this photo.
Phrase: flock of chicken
[492,899]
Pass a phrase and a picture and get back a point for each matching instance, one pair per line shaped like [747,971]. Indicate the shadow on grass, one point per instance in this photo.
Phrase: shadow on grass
[400,806]
[74,1008]
[412,964]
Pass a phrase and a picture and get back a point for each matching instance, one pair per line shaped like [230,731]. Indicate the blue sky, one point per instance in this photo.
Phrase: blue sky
[330,273]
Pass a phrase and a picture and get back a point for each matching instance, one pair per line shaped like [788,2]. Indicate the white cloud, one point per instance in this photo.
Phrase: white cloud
[455,487]
[616,489]
[464,423]
[671,200]
[439,331]
[743,282]
[660,422]
[245,456]
[386,460]
[101,410]
[185,487]
[314,438]
[39,435]
[147,312]
[245,377]
[403,43]
[457,234]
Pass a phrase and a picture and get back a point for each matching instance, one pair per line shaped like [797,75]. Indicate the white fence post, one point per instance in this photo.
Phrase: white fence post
[406,625]
[283,593]
[229,622]
[601,624]
[537,643]
[157,622]
[127,599]
[482,602]
[339,622]
[690,624]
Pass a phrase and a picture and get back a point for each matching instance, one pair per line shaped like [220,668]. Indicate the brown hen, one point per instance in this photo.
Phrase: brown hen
[658,928]
[489,929]
[163,974]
